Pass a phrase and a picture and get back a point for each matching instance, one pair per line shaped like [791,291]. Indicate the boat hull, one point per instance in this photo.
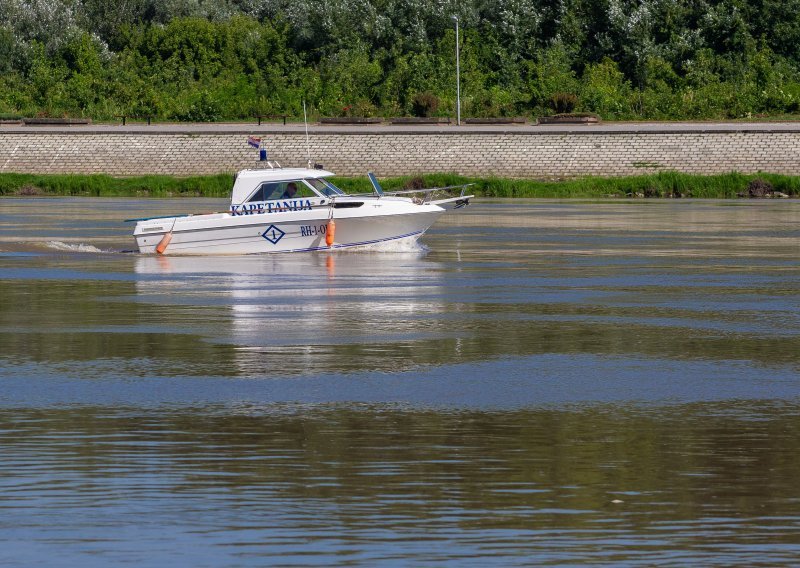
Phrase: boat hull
[282,232]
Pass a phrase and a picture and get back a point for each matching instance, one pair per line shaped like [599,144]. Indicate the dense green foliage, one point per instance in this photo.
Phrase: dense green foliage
[230,59]
[664,184]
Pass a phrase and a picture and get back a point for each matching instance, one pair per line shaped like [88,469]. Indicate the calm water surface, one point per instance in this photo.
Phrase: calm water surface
[543,382]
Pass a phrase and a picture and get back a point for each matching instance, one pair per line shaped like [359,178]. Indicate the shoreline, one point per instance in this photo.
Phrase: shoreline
[662,185]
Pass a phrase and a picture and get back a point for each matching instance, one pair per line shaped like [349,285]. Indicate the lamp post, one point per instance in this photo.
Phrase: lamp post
[458,77]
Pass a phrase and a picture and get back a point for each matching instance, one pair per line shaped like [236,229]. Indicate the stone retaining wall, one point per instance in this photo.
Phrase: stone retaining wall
[523,154]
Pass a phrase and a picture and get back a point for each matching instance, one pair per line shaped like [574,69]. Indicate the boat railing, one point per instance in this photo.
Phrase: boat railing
[427,194]
[422,195]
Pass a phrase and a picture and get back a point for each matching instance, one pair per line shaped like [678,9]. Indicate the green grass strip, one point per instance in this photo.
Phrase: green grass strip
[107,186]
[662,184]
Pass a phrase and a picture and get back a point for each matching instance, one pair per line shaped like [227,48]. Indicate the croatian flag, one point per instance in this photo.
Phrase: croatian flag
[254,141]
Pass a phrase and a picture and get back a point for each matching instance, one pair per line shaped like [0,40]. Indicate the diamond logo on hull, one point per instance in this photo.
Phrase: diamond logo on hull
[273,234]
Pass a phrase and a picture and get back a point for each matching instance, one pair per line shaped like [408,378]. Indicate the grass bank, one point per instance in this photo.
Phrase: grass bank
[106,186]
[664,184]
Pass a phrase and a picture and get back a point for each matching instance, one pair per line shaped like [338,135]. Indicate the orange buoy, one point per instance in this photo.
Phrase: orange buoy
[162,245]
[330,232]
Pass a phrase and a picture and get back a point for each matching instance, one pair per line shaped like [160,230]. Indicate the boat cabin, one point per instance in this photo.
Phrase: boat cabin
[262,186]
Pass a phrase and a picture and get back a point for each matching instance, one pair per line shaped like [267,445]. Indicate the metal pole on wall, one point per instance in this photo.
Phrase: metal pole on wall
[458,78]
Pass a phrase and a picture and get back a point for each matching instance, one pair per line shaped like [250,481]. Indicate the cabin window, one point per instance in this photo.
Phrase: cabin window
[325,187]
[276,190]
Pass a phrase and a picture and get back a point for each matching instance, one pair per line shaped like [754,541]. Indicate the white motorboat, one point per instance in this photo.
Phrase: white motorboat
[297,210]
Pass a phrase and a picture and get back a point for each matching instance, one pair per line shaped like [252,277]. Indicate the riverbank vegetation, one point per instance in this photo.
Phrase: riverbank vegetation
[98,185]
[660,185]
[211,60]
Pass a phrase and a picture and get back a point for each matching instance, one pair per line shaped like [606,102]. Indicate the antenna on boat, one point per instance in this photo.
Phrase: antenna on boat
[308,145]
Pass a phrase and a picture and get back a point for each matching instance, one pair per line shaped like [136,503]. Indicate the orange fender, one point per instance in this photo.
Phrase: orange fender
[162,245]
[330,233]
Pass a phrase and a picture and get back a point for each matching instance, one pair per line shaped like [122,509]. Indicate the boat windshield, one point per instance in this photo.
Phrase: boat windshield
[325,187]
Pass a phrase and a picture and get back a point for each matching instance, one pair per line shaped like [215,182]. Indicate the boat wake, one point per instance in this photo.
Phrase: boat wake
[407,245]
[75,247]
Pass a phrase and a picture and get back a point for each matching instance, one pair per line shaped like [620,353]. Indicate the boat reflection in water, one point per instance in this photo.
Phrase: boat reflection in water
[297,314]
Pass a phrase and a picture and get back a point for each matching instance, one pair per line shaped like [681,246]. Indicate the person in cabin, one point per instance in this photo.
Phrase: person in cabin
[291,189]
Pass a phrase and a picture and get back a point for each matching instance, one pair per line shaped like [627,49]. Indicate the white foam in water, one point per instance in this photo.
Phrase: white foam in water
[76,247]
[405,245]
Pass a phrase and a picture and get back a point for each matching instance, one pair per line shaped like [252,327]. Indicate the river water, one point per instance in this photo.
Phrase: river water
[541,383]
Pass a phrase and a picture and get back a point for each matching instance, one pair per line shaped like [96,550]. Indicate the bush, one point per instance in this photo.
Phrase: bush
[424,104]
[605,90]
[563,103]
[362,108]
[204,108]
[416,182]
[759,187]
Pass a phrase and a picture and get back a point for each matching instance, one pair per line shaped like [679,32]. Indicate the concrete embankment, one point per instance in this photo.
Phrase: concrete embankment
[513,151]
